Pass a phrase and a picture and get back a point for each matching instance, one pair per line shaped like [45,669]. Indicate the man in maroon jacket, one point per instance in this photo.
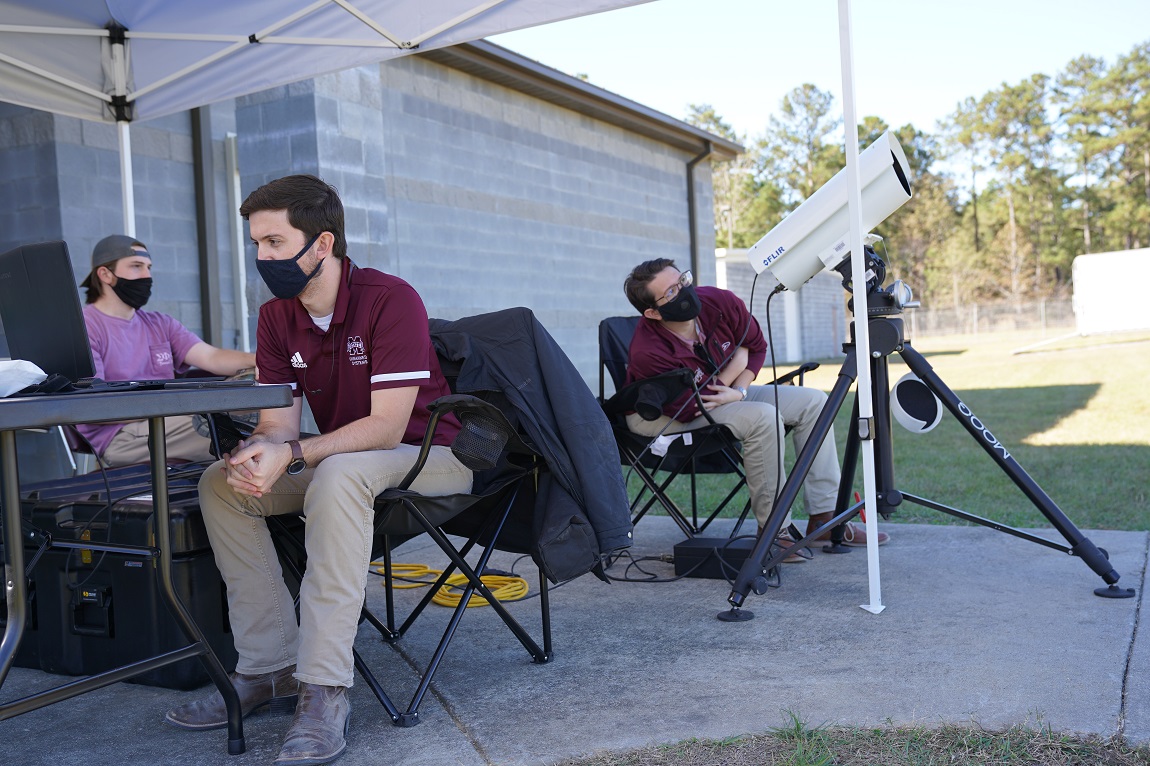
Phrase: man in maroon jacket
[709,331]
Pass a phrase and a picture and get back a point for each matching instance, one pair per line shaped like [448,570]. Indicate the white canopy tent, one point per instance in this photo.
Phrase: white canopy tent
[124,60]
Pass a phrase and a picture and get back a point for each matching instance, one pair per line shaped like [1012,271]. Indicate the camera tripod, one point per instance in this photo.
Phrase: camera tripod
[886,338]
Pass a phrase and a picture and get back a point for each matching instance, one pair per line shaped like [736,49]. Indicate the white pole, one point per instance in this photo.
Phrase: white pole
[862,330]
[236,229]
[792,327]
[127,193]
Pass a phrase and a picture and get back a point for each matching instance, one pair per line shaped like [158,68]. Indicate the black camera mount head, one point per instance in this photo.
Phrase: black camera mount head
[880,301]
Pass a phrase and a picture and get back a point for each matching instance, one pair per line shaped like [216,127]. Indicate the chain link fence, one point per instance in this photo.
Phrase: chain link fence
[974,318]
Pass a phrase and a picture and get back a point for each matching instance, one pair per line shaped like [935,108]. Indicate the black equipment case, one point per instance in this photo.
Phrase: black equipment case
[91,611]
[713,558]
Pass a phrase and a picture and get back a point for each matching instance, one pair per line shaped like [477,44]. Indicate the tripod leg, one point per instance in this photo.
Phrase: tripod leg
[1081,545]
[887,497]
[751,570]
[850,460]
[846,484]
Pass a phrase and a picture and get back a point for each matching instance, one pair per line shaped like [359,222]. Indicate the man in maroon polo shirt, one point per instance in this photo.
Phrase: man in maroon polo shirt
[355,342]
[709,331]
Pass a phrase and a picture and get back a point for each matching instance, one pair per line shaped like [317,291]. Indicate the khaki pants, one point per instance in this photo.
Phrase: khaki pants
[336,498]
[130,444]
[755,422]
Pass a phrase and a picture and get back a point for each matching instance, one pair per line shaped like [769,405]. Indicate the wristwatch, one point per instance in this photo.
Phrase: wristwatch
[297,463]
[742,391]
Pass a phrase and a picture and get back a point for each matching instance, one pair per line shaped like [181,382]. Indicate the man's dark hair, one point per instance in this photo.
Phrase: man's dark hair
[635,286]
[312,206]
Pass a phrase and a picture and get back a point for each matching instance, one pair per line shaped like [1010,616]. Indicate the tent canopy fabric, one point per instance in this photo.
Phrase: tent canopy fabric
[122,60]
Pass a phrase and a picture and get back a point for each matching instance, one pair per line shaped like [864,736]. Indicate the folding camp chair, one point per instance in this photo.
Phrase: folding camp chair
[711,449]
[494,515]
[535,439]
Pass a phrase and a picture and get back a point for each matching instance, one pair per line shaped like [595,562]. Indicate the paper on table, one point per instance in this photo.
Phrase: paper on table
[18,374]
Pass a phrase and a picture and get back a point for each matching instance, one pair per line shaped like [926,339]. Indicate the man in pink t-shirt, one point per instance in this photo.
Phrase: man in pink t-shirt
[129,343]
[355,343]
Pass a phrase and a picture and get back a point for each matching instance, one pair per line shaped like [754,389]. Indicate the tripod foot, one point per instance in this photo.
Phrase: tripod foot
[833,548]
[734,614]
[1113,591]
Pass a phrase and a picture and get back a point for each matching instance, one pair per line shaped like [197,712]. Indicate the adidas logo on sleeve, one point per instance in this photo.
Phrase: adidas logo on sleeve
[297,361]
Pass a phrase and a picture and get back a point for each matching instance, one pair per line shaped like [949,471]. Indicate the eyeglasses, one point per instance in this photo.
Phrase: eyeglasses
[685,280]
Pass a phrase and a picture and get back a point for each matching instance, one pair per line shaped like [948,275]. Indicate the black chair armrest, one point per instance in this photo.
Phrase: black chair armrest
[478,445]
[460,403]
[799,372]
[648,396]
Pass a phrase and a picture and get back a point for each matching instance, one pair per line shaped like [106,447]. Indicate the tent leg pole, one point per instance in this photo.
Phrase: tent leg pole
[127,193]
[865,385]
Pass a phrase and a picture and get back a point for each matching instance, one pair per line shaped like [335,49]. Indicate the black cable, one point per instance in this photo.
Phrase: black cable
[729,568]
[185,471]
[775,376]
[88,524]
[550,588]
[650,577]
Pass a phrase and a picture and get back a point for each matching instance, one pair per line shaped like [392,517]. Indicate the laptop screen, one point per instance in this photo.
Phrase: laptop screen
[40,309]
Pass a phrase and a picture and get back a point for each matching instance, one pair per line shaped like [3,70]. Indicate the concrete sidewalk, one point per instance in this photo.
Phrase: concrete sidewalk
[978,627]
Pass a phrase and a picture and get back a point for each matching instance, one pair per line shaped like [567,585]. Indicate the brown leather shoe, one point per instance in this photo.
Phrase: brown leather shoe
[786,541]
[854,535]
[275,691]
[319,730]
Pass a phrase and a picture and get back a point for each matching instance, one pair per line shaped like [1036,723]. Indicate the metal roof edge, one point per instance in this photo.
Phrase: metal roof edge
[505,67]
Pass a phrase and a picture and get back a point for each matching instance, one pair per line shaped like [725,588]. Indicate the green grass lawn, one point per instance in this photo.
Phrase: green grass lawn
[1073,411]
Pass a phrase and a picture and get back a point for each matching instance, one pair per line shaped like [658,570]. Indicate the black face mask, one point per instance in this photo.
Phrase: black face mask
[683,307]
[285,278]
[134,292]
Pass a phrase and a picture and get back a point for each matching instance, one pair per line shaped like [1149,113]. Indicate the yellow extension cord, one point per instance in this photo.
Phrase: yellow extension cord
[503,587]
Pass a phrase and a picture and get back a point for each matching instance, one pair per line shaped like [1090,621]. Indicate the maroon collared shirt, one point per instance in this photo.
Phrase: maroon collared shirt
[377,339]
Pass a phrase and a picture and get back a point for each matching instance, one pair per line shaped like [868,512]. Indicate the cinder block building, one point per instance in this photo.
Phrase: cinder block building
[484,178]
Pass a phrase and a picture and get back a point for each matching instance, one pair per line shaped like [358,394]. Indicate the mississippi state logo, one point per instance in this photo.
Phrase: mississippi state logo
[356,351]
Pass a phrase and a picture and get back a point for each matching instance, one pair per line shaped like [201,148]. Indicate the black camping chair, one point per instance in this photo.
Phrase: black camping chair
[711,449]
[535,438]
[496,515]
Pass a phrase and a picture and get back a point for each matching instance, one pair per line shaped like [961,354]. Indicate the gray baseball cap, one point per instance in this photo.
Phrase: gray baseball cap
[112,248]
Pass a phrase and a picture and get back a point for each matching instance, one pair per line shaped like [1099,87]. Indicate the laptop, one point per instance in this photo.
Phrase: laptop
[44,323]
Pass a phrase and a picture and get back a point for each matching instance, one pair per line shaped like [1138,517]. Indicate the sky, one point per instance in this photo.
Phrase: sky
[913,61]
